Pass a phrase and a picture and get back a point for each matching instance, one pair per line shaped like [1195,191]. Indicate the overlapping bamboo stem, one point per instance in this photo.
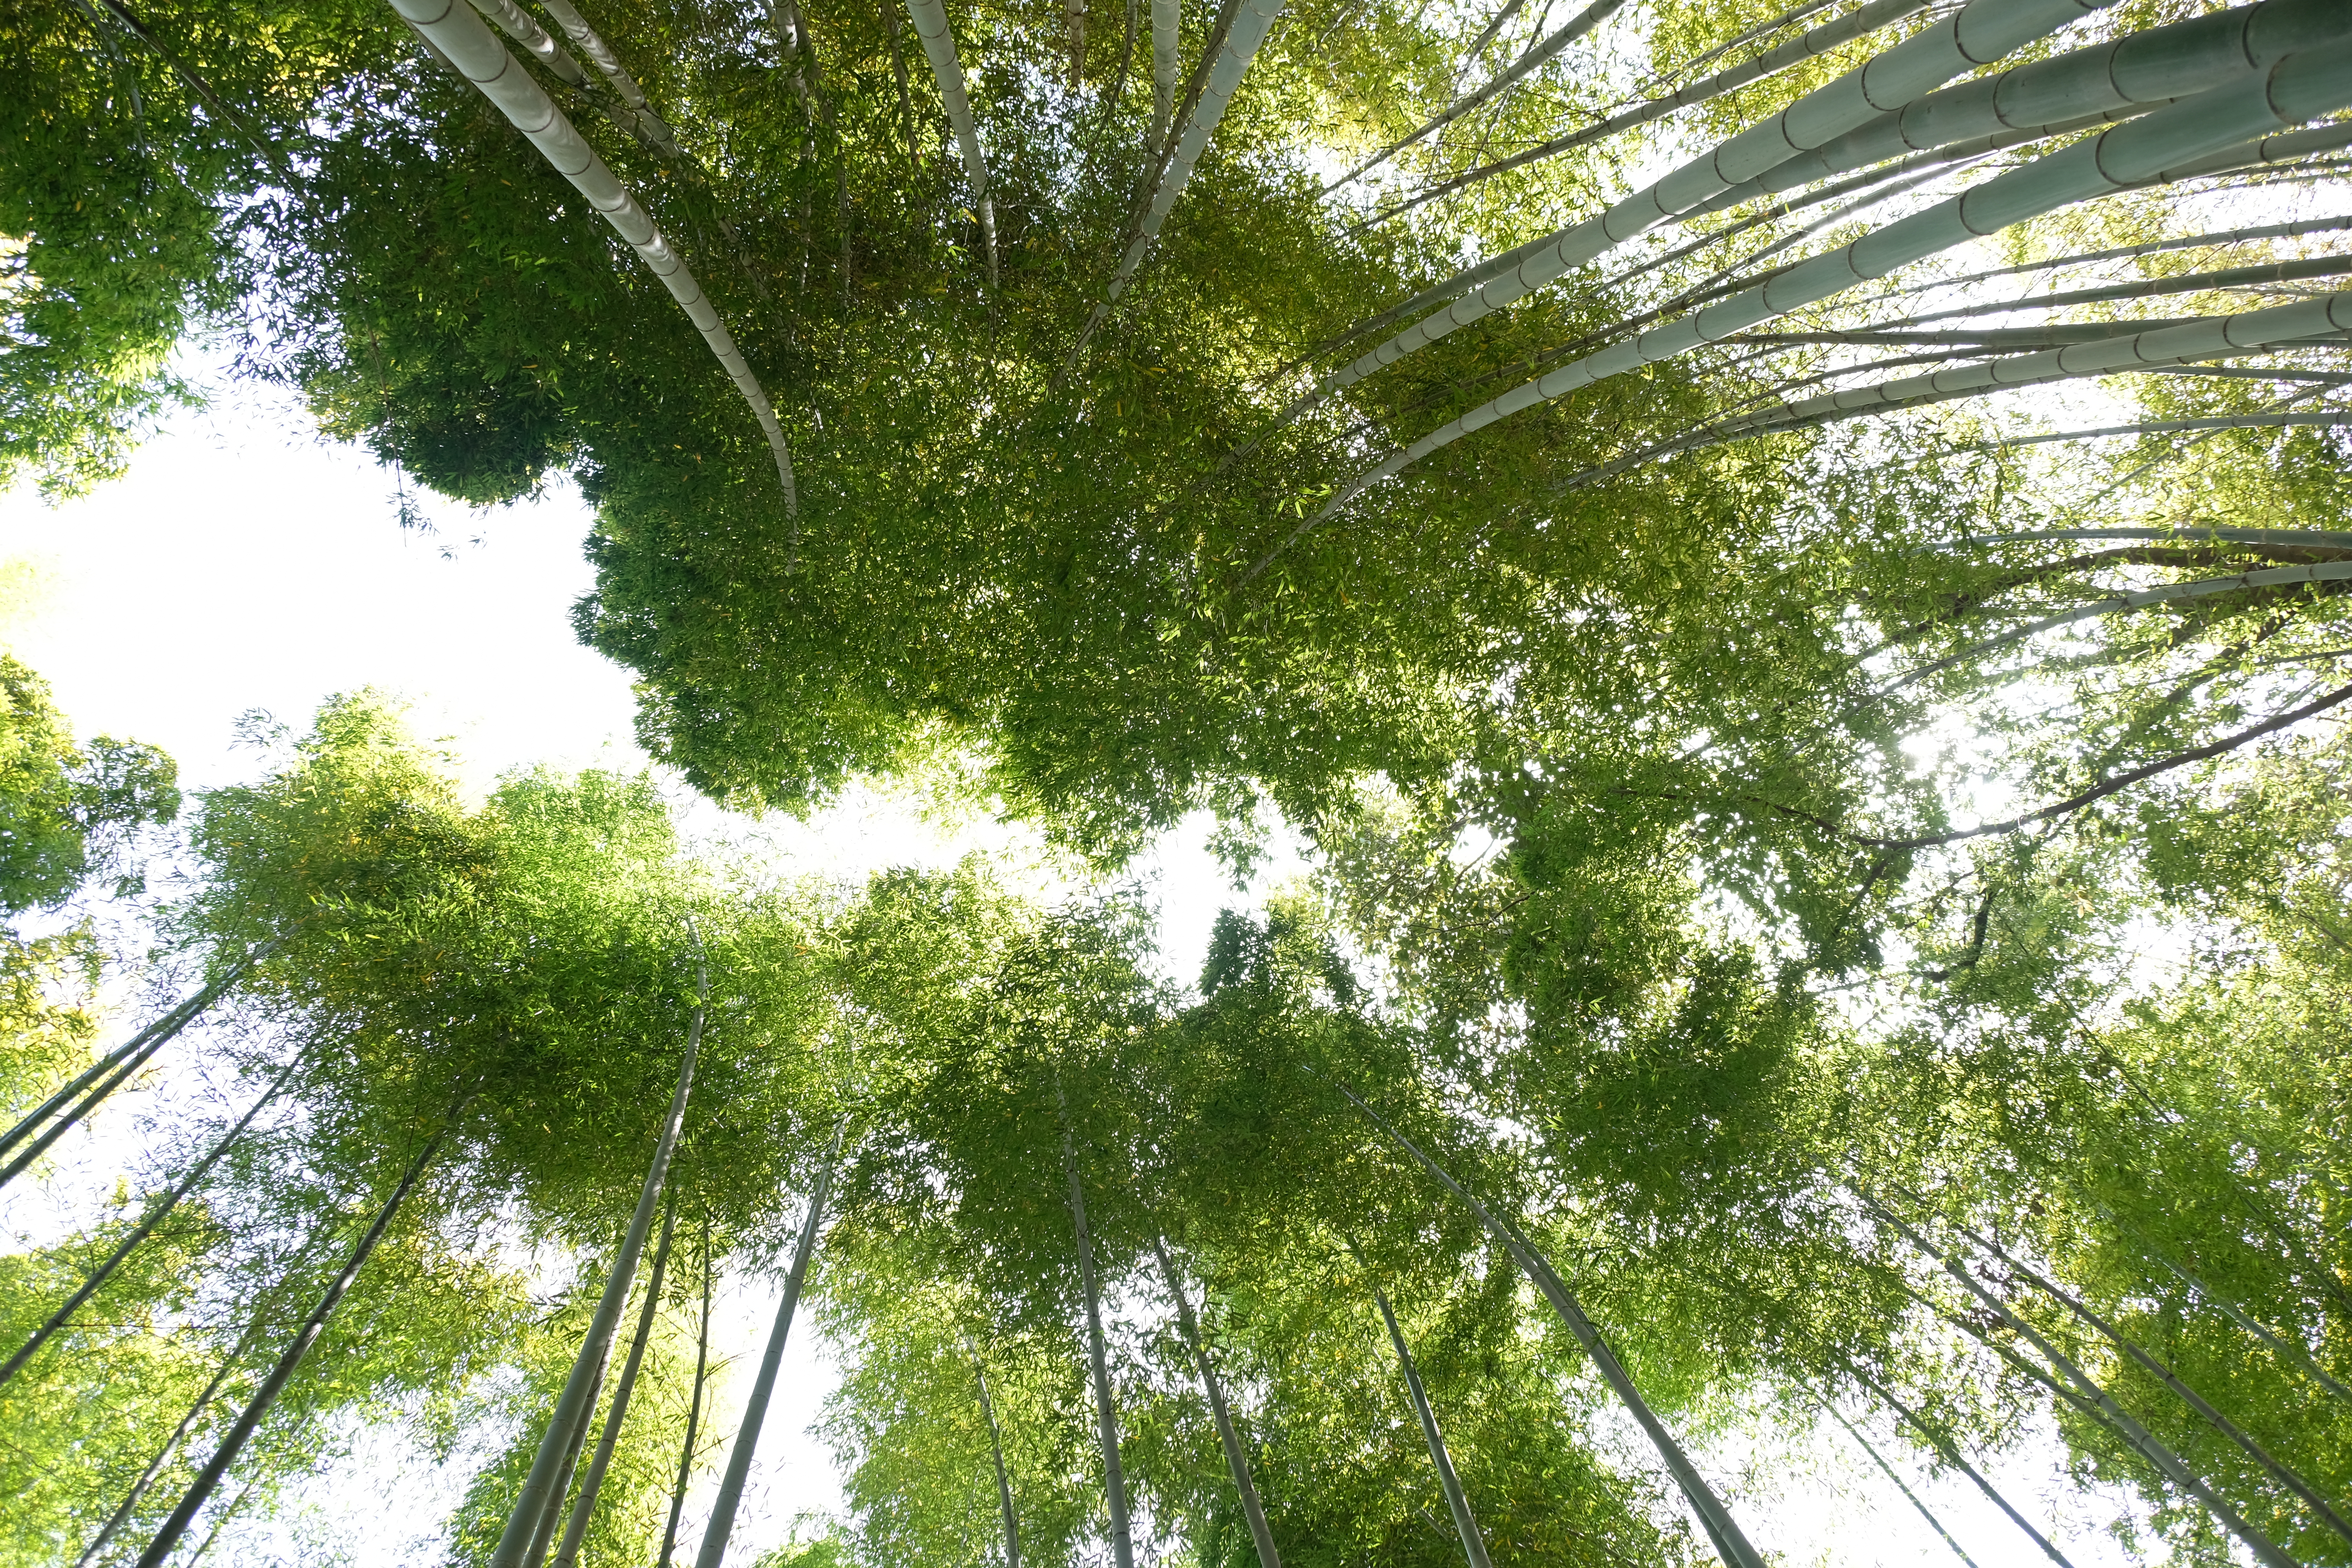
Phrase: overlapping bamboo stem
[460,35]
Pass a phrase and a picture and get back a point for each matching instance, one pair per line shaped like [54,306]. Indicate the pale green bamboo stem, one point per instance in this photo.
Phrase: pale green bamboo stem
[931,20]
[1474,1545]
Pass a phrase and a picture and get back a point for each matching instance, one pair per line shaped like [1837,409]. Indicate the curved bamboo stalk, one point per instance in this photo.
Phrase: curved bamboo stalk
[2286,271]
[930,19]
[575,1530]
[2097,1400]
[154,1216]
[1165,17]
[1474,1545]
[1730,1543]
[2172,344]
[519,25]
[1952,1456]
[693,1410]
[996,1452]
[135,1051]
[2188,533]
[2145,69]
[199,1491]
[2285,1474]
[541,1488]
[484,61]
[721,1528]
[1900,1485]
[2123,604]
[1237,1458]
[2126,252]
[1533,58]
[1252,21]
[1495,24]
[2332,418]
[1858,23]
[1122,1539]
[2298,87]
[1980,32]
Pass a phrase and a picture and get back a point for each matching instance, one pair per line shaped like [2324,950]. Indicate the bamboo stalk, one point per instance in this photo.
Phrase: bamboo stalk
[1864,19]
[575,1530]
[1900,1485]
[1533,58]
[2285,1474]
[2298,87]
[576,1404]
[2097,1401]
[931,20]
[1122,1539]
[1003,1481]
[159,1549]
[1474,1545]
[1980,32]
[140,1047]
[1252,21]
[479,55]
[1237,1458]
[146,1227]
[1730,1543]
[721,1528]
[693,1410]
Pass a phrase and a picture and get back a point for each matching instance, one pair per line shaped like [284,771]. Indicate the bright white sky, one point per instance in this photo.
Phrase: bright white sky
[242,563]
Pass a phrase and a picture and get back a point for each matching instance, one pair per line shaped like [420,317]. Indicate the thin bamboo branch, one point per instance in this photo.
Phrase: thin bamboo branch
[484,61]
[1533,58]
[2322,418]
[2127,252]
[721,1528]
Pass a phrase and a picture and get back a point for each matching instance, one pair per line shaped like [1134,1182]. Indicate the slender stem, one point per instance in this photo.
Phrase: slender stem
[1730,1543]
[1237,1460]
[722,1526]
[576,1529]
[1954,1457]
[120,1063]
[1474,1545]
[543,1534]
[693,1407]
[1122,1540]
[2095,1400]
[1004,1481]
[1908,1495]
[160,1548]
[144,1229]
[2283,1473]
[575,1405]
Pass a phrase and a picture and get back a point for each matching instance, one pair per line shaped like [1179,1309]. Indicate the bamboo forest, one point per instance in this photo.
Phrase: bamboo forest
[1786,571]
